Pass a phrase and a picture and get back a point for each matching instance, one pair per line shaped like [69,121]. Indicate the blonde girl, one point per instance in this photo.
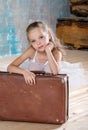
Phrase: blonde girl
[43,54]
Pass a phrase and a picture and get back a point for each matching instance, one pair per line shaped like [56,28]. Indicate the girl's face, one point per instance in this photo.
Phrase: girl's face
[38,38]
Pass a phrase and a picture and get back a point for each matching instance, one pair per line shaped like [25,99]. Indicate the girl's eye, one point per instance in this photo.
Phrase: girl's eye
[41,37]
[32,41]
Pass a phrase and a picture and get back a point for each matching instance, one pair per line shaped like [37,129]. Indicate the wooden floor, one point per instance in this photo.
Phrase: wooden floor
[78,104]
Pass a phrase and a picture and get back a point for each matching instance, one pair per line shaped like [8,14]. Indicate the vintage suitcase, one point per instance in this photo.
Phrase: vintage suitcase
[45,102]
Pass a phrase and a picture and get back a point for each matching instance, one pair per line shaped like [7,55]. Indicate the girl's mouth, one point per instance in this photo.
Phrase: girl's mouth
[40,47]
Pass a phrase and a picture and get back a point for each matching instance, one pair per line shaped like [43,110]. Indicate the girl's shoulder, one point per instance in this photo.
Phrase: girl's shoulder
[28,53]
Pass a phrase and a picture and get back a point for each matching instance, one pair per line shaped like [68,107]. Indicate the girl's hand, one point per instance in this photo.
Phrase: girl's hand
[49,46]
[29,77]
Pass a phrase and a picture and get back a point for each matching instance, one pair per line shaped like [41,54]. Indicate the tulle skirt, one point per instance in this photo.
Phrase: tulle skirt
[76,73]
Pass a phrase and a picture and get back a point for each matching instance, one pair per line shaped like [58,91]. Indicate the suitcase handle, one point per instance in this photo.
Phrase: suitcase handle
[38,72]
[46,74]
[43,73]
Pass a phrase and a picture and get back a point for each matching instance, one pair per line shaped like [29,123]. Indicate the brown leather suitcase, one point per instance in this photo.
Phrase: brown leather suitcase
[45,102]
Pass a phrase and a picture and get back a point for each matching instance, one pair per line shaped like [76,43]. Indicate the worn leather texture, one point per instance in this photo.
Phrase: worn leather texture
[45,102]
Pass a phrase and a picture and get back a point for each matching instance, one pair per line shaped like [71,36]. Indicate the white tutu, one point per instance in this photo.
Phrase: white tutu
[76,74]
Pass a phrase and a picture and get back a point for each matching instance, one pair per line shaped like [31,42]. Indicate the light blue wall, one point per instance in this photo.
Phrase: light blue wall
[15,15]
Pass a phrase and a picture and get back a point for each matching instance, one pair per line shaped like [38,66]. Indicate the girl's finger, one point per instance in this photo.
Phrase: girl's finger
[33,79]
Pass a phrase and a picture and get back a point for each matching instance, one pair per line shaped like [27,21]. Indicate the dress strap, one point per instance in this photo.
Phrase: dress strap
[34,56]
[34,60]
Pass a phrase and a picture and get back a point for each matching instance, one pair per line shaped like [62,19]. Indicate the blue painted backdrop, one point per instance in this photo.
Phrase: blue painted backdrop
[15,15]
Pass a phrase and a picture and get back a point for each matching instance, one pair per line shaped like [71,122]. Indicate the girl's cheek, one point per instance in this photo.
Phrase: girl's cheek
[47,41]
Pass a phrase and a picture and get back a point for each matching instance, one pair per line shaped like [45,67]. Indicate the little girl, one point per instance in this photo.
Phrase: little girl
[44,53]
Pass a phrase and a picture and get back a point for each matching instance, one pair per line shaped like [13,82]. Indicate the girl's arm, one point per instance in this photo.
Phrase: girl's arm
[54,58]
[14,66]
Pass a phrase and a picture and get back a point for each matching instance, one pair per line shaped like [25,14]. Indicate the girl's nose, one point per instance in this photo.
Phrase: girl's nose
[38,43]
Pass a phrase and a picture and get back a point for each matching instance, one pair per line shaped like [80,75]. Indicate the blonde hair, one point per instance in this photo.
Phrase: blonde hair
[57,42]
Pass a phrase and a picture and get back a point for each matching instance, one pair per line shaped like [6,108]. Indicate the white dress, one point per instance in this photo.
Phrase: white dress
[75,71]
